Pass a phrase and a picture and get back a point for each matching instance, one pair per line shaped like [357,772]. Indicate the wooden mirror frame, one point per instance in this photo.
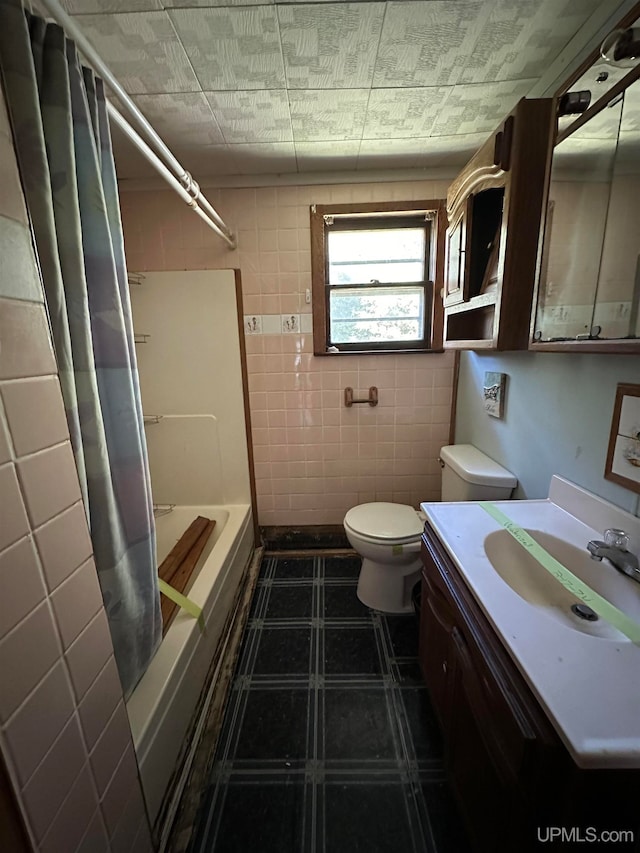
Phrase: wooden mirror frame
[623,453]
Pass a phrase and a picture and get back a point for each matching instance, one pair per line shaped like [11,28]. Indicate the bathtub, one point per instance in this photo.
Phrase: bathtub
[162,705]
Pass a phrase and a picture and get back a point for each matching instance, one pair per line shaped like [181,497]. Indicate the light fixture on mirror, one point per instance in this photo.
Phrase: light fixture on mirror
[574,103]
[622,48]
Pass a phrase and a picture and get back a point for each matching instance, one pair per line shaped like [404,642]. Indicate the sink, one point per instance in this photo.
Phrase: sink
[584,674]
[533,583]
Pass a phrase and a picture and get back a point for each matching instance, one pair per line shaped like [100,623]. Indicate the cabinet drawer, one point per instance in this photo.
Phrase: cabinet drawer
[508,736]
[490,802]
[436,623]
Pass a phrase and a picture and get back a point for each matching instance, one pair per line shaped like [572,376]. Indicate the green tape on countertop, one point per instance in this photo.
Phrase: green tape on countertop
[183,602]
[568,580]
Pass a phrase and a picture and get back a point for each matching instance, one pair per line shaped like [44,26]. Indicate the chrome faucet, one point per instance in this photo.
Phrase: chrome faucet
[615,549]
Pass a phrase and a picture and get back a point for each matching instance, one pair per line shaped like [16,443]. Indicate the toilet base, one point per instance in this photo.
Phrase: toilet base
[388,587]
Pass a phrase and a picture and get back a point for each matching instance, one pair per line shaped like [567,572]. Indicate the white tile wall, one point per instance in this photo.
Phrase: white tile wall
[39,721]
[25,402]
[49,482]
[18,599]
[76,601]
[13,519]
[63,544]
[47,788]
[20,322]
[109,748]
[89,651]
[72,820]
[26,654]
[99,702]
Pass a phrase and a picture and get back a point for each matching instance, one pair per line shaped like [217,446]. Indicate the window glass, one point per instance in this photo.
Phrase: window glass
[392,255]
[377,314]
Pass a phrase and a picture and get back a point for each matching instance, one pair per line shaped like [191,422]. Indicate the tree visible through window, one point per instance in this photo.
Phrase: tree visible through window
[373,277]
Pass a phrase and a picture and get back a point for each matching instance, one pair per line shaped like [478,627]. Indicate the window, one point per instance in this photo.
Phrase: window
[375,269]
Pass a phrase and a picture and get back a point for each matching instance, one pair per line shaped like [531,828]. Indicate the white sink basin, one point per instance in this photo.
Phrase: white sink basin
[532,582]
[584,674]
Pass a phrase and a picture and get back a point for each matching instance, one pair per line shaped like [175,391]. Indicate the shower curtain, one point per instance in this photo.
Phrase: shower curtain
[59,118]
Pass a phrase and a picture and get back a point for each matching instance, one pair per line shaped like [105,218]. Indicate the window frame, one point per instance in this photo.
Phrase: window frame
[364,216]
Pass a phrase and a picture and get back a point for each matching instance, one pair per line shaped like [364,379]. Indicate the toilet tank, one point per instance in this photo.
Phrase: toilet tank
[470,475]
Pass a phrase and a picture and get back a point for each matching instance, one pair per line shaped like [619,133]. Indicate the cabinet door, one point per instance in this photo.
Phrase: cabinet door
[436,624]
[489,796]
[457,256]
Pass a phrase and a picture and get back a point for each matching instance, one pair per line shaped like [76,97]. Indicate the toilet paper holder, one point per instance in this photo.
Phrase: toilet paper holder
[372,399]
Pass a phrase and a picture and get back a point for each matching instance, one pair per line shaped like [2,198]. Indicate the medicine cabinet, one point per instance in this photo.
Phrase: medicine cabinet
[588,288]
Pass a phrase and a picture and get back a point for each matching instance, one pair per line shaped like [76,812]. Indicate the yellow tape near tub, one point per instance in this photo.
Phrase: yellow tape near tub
[183,602]
[568,580]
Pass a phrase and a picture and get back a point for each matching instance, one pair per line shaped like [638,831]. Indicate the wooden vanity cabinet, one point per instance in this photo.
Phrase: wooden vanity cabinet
[509,770]
[494,210]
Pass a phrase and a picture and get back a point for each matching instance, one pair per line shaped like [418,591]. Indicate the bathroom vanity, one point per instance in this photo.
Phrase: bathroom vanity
[540,713]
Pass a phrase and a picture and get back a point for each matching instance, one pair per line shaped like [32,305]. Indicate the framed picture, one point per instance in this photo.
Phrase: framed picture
[493,393]
[623,454]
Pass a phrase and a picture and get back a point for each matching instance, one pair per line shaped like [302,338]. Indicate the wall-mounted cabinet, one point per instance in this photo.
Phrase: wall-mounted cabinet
[494,209]
[588,290]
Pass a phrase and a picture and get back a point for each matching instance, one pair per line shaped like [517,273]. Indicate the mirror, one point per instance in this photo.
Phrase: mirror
[589,282]
[616,306]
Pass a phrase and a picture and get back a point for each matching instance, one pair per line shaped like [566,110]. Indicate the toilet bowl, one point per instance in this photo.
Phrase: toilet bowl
[387,537]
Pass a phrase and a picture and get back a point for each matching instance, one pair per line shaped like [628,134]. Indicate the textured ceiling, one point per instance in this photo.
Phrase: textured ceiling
[238,87]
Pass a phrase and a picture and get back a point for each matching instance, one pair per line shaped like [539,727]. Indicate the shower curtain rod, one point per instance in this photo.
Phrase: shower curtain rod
[174,173]
[173,182]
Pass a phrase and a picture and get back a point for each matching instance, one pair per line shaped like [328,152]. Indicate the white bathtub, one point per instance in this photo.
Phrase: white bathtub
[162,705]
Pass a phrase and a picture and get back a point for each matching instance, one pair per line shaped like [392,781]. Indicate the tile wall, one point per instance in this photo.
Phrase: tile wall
[64,732]
[314,458]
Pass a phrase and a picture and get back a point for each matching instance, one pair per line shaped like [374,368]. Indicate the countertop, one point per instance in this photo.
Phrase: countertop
[589,685]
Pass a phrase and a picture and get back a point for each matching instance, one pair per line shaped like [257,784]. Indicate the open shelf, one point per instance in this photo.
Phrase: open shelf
[486,218]
[471,321]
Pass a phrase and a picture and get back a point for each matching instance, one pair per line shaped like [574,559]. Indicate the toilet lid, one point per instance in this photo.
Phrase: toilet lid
[385,521]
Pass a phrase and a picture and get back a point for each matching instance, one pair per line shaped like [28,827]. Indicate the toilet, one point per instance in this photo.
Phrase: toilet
[388,536]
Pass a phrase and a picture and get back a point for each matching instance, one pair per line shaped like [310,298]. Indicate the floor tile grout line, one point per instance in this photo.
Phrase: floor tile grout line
[403,732]
[424,818]
[318,629]
[366,770]
[416,824]
[234,728]
[213,818]
[248,654]
[389,689]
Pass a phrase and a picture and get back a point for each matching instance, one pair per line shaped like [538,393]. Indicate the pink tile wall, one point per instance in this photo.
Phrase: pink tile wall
[64,734]
[314,458]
